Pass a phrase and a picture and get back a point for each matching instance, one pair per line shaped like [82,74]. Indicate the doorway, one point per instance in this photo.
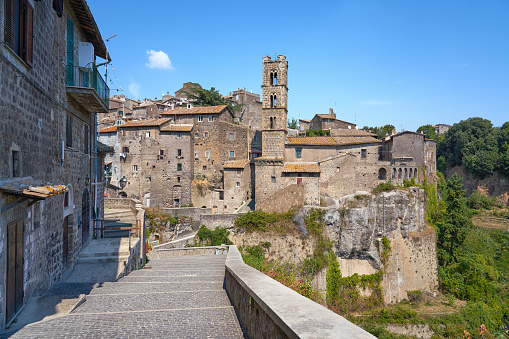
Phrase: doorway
[15,293]
[85,216]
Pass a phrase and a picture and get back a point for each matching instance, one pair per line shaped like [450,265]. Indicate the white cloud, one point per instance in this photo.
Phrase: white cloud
[134,88]
[375,103]
[158,59]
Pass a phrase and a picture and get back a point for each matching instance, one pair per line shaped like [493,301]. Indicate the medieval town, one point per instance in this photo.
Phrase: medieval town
[180,216]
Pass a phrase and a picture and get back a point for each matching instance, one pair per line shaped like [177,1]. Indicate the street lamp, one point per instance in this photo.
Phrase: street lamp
[122,182]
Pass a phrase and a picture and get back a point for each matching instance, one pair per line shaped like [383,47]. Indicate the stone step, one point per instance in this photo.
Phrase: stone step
[115,234]
[103,254]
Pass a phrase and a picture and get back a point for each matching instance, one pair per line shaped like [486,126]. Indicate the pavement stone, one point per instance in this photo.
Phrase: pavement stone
[180,297]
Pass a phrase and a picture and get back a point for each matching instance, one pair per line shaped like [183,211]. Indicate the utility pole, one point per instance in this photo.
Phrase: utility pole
[107,55]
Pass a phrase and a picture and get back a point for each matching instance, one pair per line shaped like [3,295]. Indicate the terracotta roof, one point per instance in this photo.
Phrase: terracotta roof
[145,123]
[236,164]
[177,128]
[351,133]
[326,116]
[304,167]
[109,129]
[331,141]
[30,188]
[196,110]
[269,158]
[304,120]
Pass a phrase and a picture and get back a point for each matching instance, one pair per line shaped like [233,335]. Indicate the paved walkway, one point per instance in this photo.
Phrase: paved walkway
[177,297]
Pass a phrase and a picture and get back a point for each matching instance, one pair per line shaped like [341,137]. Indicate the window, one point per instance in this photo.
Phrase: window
[363,153]
[237,184]
[239,171]
[232,154]
[338,169]
[70,53]
[211,118]
[298,153]
[121,113]
[206,135]
[178,179]
[86,138]
[135,168]
[179,135]
[148,179]
[207,154]
[15,164]
[273,179]
[179,167]
[125,149]
[68,131]
[196,135]
[204,168]
[230,137]
[221,195]
[147,134]
[161,152]
[19,28]
[200,118]
[179,153]
[196,155]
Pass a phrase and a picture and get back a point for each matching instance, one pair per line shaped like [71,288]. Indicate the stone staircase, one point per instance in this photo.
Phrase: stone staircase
[116,218]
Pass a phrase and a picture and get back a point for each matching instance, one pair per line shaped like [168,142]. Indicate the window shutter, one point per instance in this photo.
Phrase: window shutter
[70,52]
[29,42]
[9,23]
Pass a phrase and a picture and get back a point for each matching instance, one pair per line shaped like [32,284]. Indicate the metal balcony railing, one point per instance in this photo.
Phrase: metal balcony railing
[88,77]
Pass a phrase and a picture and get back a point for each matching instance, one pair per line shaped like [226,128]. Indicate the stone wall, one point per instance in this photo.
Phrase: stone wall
[237,187]
[268,309]
[36,116]
[496,185]
[218,220]
[180,252]
[283,200]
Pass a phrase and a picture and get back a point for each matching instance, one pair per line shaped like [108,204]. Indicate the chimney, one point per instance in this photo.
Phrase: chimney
[331,112]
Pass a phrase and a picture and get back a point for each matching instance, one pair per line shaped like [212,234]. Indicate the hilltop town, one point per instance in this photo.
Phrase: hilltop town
[171,153]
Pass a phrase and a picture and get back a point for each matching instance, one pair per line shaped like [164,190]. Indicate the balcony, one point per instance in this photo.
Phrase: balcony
[86,86]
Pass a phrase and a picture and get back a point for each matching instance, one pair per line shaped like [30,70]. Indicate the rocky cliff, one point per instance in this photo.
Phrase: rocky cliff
[357,224]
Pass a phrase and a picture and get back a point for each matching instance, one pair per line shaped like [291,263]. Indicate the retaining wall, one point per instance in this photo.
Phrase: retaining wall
[268,309]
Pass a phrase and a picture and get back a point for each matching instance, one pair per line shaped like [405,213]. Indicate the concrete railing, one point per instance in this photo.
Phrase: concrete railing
[268,309]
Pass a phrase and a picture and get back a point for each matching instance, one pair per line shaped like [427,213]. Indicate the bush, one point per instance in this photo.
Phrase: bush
[478,201]
[384,187]
[216,237]
[415,295]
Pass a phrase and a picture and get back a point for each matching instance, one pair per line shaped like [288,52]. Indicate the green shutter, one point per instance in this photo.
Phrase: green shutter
[70,52]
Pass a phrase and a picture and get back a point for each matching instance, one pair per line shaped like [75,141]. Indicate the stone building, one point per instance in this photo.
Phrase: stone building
[47,123]
[441,128]
[411,155]
[156,162]
[237,184]
[303,126]
[329,122]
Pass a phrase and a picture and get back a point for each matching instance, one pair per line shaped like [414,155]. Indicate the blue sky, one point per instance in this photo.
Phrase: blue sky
[405,63]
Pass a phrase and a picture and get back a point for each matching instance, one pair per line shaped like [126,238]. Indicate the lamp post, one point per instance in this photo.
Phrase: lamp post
[122,182]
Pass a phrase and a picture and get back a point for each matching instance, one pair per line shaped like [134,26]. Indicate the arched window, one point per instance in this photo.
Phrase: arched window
[274,79]
[394,173]
[382,174]
[406,173]
[271,101]
[275,101]
[415,173]
[274,119]
[271,123]
[399,173]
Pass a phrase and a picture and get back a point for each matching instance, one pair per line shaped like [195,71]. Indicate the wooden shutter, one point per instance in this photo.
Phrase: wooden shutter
[29,35]
[9,23]
[70,52]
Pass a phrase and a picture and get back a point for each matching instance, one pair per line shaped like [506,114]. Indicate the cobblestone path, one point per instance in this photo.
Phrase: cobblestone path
[178,297]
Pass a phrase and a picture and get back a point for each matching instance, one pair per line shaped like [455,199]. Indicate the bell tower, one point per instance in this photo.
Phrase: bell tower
[274,106]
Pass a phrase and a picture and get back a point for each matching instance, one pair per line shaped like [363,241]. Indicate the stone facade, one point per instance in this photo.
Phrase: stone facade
[329,121]
[237,184]
[47,136]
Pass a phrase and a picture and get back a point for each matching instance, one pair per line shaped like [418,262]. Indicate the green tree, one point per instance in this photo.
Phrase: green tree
[293,124]
[429,131]
[211,97]
[382,131]
[317,133]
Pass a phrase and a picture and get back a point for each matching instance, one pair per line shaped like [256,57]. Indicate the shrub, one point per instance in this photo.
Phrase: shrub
[216,237]
[384,187]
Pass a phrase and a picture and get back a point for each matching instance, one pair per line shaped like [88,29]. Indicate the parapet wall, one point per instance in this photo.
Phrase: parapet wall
[268,309]
[283,200]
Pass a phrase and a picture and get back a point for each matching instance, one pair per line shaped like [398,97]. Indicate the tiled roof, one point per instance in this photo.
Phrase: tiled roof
[109,129]
[177,128]
[304,120]
[236,163]
[145,123]
[103,148]
[351,133]
[269,158]
[326,116]
[304,167]
[30,188]
[331,141]
[196,110]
